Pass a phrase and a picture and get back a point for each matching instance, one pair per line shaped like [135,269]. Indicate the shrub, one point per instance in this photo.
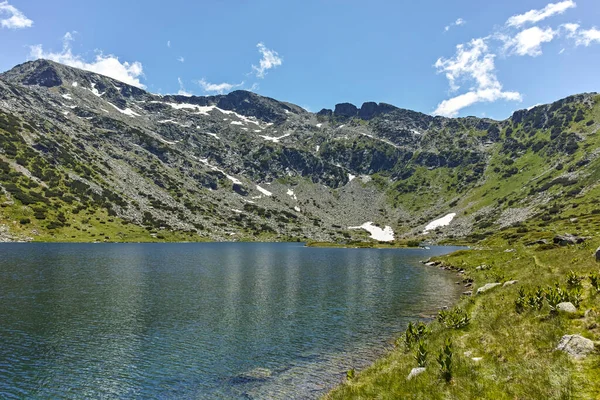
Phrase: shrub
[421,354]
[574,280]
[456,318]
[595,281]
[415,333]
[24,221]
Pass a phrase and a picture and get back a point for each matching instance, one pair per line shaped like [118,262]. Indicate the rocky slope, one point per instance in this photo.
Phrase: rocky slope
[86,157]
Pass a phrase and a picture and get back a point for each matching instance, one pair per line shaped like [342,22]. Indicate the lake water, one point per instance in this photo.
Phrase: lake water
[203,321]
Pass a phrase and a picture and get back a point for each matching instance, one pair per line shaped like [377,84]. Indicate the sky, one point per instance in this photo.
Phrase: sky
[451,58]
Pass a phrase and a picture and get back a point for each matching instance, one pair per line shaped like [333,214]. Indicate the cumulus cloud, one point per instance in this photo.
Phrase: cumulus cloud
[168,43]
[270,59]
[181,59]
[472,63]
[219,88]
[533,16]
[108,65]
[12,18]
[529,41]
[458,22]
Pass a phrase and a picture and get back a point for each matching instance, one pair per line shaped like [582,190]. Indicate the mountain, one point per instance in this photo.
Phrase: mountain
[86,157]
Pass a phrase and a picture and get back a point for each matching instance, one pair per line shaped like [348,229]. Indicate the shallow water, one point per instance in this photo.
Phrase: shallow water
[203,321]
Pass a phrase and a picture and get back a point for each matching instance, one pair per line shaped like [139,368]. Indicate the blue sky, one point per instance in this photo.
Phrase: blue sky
[455,58]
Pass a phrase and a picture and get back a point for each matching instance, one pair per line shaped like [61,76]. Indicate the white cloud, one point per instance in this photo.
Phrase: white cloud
[218,87]
[168,43]
[458,22]
[529,41]
[181,59]
[182,91]
[270,59]
[534,16]
[12,18]
[108,65]
[472,63]
[583,37]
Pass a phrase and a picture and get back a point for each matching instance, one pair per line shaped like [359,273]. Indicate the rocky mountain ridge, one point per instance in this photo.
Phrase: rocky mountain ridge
[78,149]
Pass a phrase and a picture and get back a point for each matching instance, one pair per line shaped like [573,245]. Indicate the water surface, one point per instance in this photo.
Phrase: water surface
[203,321]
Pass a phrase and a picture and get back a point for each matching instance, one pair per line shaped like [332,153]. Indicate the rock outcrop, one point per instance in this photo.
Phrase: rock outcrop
[576,346]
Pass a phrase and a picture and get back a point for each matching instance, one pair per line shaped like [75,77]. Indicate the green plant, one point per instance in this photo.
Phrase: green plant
[574,296]
[421,354]
[350,374]
[556,295]
[535,300]
[573,280]
[444,359]
[521,301]
[456,318]
[414,333]
[595,281]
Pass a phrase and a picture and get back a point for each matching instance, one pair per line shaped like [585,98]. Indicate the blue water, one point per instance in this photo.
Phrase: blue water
[203,321]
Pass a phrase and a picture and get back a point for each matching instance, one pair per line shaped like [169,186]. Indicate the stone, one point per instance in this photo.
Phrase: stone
[574,220]
[598,254]
[256,374]
[415,372]
[487,286]
[467,293]
[477,359]
[566,307]
[568,239]
[509,283]
[575,345]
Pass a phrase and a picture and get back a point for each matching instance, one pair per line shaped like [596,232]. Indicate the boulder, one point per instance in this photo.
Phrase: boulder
[487,286]
[598,254]
[566,307]
[575,345]
[467,293]
[415,372]
[568,239]
[509,283]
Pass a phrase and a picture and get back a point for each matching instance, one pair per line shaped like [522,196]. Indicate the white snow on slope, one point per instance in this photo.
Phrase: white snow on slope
[275,139]
[210,133]
[382,235]
[67,96]
[444,221]
[74,84]
[95,91]
[319,125]
[236,123]
[297,208]
[291,193]
[231,178]
[264,191]
[351,177]
[127,111]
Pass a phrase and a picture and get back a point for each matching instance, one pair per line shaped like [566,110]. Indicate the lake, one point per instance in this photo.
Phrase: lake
[203,320]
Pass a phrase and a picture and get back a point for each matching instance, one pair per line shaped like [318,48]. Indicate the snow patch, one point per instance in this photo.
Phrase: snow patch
[67,96]
[382,235]
[341,126]
[212,167]
[264,191]
[273,138]
[127,111]
[351,177]
[236,211]
[291,193]
[319,125]
[95,91]
[297,208]
[317,148]
[74,84]
[236,123]
[444,221]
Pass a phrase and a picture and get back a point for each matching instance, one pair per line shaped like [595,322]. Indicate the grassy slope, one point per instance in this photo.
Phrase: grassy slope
[517,350]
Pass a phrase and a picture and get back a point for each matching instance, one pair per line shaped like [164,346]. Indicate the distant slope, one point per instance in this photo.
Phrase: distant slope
[86,157]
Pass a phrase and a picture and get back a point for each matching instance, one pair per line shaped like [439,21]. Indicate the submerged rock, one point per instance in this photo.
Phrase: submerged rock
[256,374]
[415,372]
[487,286]
[575,345]
[566,307]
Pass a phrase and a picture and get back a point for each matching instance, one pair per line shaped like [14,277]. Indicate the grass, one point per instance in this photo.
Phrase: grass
[517,350]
